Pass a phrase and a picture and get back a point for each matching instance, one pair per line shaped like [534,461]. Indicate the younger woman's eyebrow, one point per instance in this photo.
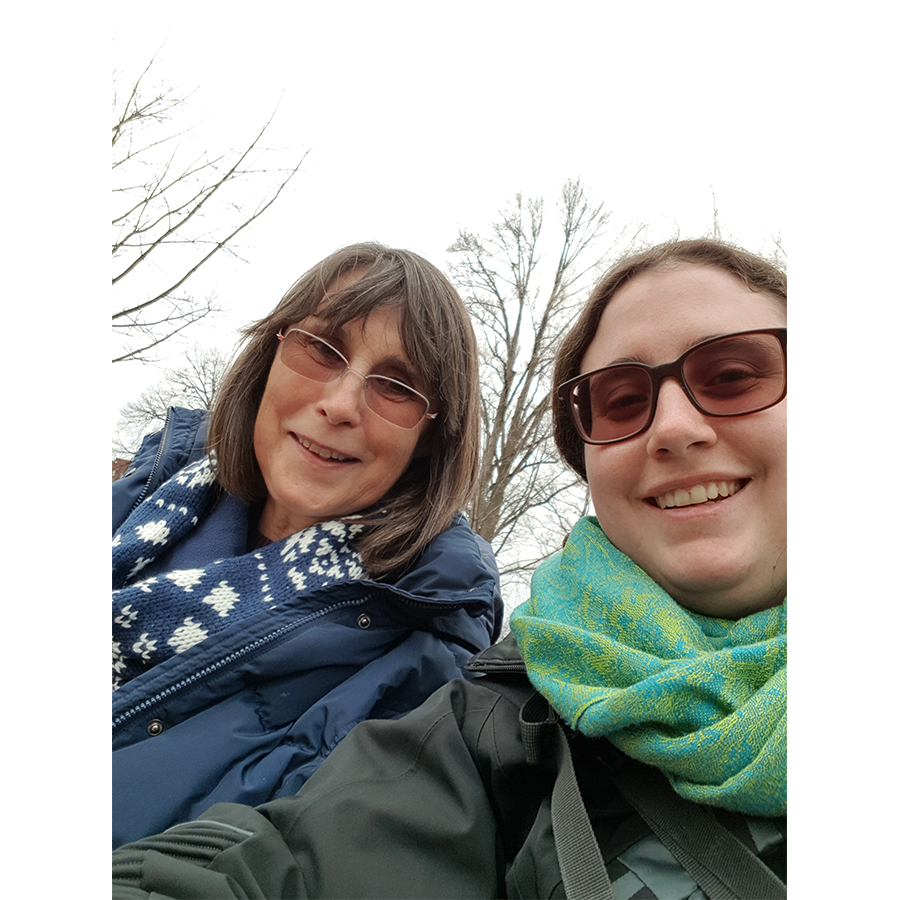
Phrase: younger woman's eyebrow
[684,349]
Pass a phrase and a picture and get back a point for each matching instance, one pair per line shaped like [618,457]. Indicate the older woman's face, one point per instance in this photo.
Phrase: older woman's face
[724,557]
[323,453]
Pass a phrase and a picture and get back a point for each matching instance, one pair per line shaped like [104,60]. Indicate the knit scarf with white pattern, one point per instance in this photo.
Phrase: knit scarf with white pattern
[157,617]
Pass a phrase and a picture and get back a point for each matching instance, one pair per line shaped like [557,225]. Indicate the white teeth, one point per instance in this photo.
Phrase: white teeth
[325,454]
[697,494]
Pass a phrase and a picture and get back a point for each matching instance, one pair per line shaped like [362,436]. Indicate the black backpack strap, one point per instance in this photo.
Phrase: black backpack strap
[724,867]
[580,861]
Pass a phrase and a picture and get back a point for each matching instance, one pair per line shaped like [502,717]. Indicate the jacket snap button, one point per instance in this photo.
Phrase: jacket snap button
[363,621]
[155,728]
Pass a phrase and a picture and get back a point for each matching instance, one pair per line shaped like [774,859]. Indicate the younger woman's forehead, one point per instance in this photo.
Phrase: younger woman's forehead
[660,313]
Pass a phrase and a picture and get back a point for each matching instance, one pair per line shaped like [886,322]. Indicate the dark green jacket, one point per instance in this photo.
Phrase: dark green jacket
[441,803]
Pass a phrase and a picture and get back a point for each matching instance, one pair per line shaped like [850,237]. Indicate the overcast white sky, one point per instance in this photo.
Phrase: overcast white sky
[421,118]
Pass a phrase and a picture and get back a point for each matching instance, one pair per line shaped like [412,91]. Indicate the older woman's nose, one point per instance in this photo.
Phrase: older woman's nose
[677,424]
[343,397]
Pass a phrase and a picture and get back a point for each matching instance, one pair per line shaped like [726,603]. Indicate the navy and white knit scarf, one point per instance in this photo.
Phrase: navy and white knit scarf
[157,617]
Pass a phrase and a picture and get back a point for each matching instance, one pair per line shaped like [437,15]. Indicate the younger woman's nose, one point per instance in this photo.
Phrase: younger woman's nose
[677,424]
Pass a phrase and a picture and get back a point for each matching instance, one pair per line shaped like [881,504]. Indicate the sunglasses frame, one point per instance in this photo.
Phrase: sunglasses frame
[426,415]
[675,369]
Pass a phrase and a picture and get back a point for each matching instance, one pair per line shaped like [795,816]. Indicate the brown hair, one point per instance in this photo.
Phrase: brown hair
[437,335]
[756,273]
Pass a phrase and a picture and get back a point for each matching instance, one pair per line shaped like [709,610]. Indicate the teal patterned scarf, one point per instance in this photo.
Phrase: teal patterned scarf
[702,699]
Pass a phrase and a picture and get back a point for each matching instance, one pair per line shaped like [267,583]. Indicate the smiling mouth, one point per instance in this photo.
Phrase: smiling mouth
[324,452]
[714,491]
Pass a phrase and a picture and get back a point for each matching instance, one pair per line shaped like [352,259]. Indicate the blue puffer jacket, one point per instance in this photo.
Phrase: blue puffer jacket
[249,714]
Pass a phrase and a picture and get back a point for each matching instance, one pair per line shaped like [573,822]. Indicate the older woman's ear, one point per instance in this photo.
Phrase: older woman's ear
[425,446]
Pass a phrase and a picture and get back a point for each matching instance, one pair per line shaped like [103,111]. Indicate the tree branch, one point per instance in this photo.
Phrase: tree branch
[158,231]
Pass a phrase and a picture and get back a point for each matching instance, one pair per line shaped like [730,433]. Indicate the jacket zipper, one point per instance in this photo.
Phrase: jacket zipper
[232,657]
[498,667]
[122,718]
[159,454]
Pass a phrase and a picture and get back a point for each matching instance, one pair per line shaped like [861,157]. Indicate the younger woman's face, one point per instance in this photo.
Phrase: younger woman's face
[723,557]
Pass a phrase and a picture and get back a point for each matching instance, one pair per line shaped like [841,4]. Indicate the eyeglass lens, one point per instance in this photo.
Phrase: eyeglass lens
[731,376]
[316,359]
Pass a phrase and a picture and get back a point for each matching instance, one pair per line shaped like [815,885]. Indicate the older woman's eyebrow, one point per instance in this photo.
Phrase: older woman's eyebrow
[323,325]
[324,328]
[403,368]
[327,329]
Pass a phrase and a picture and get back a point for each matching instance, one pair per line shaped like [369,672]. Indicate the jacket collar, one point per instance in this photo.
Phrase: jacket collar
[502,657]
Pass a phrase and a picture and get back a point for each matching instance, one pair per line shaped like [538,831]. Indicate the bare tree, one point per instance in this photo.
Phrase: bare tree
[775,253]
[192,386]
[526,500]
[174,211]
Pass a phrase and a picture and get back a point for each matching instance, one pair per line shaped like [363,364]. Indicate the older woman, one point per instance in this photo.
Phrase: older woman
[650,760]
[303,565]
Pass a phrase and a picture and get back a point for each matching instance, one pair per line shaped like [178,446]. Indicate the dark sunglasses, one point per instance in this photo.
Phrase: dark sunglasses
[732,375]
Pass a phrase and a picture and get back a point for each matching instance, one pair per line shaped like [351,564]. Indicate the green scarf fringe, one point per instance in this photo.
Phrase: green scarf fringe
[703,699]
